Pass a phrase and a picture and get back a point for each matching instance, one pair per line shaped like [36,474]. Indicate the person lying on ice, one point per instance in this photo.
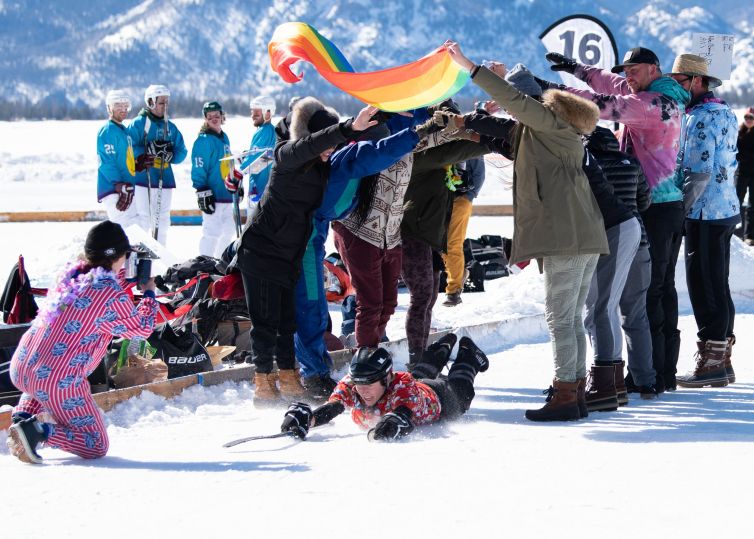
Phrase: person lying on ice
[66,342]
[390,404]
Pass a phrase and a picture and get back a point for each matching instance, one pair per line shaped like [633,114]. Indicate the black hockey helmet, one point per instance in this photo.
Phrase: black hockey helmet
[211,106]
[370,365]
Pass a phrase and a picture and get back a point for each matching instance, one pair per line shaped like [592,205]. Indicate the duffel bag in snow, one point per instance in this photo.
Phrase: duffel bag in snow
[181,351]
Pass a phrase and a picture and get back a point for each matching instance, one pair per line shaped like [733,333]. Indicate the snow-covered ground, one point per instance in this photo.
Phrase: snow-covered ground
[652,468]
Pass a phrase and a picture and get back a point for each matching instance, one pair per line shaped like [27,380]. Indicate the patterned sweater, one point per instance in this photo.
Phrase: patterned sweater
[403,390]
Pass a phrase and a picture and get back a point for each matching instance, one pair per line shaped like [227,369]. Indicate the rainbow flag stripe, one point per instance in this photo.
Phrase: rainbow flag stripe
[428,80]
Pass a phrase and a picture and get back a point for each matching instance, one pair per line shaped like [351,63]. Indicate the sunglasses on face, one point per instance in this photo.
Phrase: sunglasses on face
[748,117]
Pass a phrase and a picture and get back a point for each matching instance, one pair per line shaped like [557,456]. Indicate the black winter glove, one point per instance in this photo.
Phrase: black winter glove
[206,201]
[392,426]
[297,419]
[125,192]
[561,63]
[162,149]
[548,85]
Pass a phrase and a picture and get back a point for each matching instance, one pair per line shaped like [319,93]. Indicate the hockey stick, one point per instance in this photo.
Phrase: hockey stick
[166,136]
[241,155]
[237,213]
[261,437]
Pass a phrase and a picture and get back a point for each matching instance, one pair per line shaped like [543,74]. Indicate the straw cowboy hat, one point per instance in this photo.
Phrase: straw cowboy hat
[693,66]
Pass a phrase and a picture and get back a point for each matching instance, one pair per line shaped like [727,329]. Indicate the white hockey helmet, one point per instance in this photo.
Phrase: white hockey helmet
[263,102]
[154,91]
[117,96]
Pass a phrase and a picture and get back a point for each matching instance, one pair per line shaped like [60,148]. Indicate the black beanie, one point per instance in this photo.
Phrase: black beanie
[106,239]
[320,120]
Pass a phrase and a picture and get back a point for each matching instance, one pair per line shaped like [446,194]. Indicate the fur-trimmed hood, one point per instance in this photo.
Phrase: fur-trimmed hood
[303,112]
[575,110]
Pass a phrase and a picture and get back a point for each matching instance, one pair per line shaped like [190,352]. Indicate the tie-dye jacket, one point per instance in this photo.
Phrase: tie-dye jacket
[651,119]
[403,390]
[707,160]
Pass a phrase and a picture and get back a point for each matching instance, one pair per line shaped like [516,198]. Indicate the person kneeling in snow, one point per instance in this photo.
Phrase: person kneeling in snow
[66,342]
[390,404]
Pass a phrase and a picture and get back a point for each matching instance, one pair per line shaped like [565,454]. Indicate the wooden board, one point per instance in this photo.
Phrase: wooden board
[179,217]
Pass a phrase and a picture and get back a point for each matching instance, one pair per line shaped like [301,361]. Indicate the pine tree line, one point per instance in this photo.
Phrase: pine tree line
[183,106]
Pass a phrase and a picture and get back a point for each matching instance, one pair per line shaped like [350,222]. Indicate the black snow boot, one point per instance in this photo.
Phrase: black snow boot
[435,357]
[469,361]
[24,437]
[470,353]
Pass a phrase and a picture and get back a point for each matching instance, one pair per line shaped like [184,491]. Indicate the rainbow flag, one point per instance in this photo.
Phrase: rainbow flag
[418,84]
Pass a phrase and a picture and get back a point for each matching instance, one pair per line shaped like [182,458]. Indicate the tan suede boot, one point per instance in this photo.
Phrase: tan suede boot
[266,393]
[291,388]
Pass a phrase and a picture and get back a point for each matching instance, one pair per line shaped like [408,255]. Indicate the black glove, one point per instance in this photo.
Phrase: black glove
[162,149]
[206,201]
[125,192]
[545,85]
[392,426]
[381,116]
[297,419]
[143,162]
[561,63]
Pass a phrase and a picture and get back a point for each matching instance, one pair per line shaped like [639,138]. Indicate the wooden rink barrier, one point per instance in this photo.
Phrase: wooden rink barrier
[181,217]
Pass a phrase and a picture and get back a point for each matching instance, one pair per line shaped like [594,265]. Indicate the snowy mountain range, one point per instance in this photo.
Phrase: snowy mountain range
[73,51]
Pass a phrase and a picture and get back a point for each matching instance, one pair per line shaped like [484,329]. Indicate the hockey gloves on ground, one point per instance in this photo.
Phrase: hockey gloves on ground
[125,192]
[297,419]
[206,201]
[233,182]
[392,426]
[561,63]
[143,162]
[162,149]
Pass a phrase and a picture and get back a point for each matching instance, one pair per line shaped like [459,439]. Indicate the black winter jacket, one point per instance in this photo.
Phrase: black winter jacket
[428,204]
[613,211]
[623,172]
[746,153]
[273,243]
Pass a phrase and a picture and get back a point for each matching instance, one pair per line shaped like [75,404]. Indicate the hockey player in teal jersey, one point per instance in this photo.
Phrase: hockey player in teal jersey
[262,111]
[209,176]
[117,166]
[154,135]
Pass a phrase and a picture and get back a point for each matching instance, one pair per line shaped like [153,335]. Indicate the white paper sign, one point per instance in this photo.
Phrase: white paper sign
[718,50]
[583,38]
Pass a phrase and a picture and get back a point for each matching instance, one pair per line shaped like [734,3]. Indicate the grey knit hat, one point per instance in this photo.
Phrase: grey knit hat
[522,80]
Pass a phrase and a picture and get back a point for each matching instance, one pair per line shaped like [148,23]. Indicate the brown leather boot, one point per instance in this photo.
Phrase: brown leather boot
[562,403]
[621,391]
[600,392]
[291,388]
[728,365]
[710,366]
[581,397]
[266,393]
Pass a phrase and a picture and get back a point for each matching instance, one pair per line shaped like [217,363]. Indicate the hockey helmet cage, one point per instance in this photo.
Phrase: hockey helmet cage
[263,102]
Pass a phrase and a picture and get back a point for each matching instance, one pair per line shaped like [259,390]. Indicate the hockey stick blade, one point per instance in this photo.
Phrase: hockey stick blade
[262,437]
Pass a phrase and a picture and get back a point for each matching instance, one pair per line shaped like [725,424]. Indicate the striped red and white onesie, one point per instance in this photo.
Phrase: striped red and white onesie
[58,352]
